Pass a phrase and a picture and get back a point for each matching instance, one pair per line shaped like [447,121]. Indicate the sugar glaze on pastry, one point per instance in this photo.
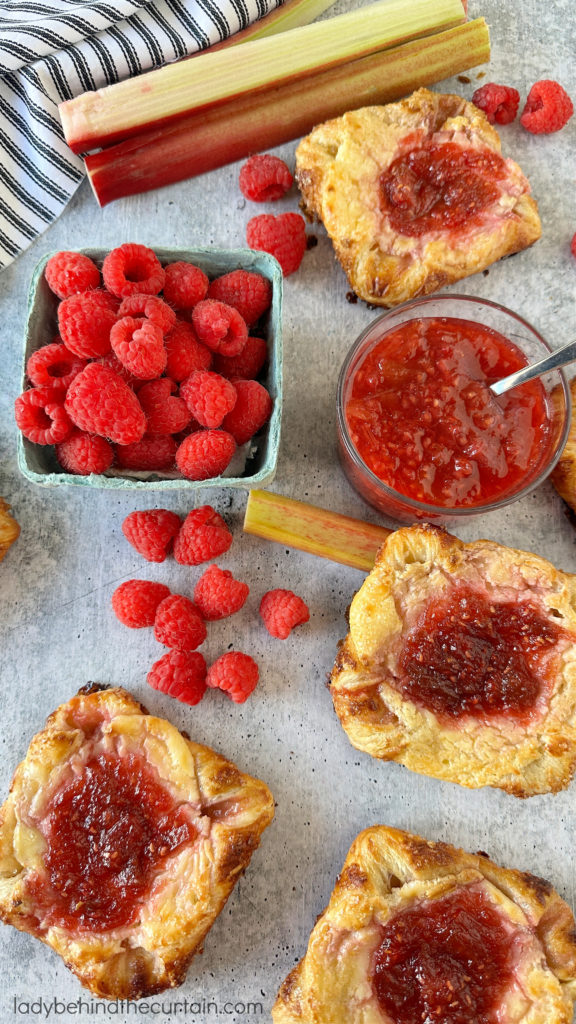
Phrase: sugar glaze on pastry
[414,195]
[417,932]
[460,663]
[121,841]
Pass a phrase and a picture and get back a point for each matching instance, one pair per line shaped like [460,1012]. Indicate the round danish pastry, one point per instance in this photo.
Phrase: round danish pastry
[460,663]
[419,932]
[414,195]
[121,841]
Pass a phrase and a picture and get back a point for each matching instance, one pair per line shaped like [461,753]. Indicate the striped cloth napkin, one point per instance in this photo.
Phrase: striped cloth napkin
[51,50]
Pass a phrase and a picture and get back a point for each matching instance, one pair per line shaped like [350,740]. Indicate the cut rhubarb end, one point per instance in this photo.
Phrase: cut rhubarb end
[202,142]
[299,525]
[120,111]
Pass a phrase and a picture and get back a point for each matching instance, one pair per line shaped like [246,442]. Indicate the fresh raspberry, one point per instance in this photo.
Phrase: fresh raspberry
[573,246]
[139,345]
[69,273]
[264,177]
[83,453]
[135,602]
[166,413]
[220,327]
[283,236]
[100,402]
[548,108]
[132,269]
[499,102]
[150,306]
[154,453]
[178,624]
[205,454]
[53,366]
[151,533]
[218,594]
[252,410]
[249,293]
[248,364]
[235,673]
[203,535]
[85,322]
[113,363]
[208,396]
[180,674]
[185,285]
[41,416]
[281,610]
[185,353]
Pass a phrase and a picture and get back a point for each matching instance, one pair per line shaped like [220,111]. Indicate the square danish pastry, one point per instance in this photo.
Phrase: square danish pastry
[414,195]
[121,841]
[460,663]
[417,932]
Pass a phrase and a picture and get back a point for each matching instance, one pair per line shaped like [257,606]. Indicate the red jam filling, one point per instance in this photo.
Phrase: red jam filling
[421,415]
[439,187]
[445,961]
[109,831]
[467,656]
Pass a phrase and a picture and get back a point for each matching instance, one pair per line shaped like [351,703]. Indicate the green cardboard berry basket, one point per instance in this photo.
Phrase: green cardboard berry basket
[253,466]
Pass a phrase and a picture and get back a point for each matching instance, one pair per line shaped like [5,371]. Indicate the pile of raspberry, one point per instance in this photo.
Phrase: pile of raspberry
[180,622]
[153,368]
[265,178]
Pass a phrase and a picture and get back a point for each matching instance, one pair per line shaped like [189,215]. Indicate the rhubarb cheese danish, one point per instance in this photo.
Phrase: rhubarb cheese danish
[121,841]
[414,195]
[460,663]
[417,932]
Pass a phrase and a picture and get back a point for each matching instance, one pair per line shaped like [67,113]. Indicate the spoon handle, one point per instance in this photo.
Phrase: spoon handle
[566,354]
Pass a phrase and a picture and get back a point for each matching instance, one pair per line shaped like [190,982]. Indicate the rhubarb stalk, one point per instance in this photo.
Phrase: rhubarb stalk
[123,110]
[201,142]
[292,14]
[300,525]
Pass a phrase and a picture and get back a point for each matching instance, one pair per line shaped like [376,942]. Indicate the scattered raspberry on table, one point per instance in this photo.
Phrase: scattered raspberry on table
[178,624]
[282,610]
[202,536]
[180,674]
[499,102]
[151,532]
[235,673]
[283,236]
[218,595]
[264,177]
[548,108]
[135,602]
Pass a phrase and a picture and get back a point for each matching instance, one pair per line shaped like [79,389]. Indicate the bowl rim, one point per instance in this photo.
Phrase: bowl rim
[421,507]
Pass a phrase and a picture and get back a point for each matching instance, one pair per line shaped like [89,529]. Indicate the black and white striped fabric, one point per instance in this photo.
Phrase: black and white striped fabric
[51,50]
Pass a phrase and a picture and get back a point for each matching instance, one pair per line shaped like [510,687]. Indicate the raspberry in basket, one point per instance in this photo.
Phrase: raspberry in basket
[220,327]
[185,353]
[248,364]
[499,102]
[178,624]
[548,108]
[283,236]
[139,345]
[281,610]
[235,673]
[69,273]
[203,535]
[251,411]
[85,322]
[151,532]
[209,397]
[83,453]
[264,177]
[132,269]
[217,594]
[135,602]
[185,285]
[154,453]
[249,293]
[53,366]
[99,401]
[41,416]
[205,454]
[150,306]
[165,411]
[180,674]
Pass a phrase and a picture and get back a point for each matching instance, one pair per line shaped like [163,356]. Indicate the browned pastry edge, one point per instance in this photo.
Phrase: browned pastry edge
[9,528]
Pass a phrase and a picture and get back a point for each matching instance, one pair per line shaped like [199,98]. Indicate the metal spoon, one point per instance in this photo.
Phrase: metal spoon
[566,354]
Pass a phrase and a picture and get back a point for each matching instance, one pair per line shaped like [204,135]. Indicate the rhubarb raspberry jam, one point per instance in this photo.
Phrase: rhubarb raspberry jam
[109,830]
[421,416]
[471,656]
[440,187]
[447,961]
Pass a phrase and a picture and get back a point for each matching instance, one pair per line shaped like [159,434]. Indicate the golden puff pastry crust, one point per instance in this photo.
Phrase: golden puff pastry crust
[9,528]
[563,476]
[403,693]
[339,167]
[218,813]
[388,872]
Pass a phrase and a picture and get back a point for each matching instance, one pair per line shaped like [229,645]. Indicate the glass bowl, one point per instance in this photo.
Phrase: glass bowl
[407,509]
